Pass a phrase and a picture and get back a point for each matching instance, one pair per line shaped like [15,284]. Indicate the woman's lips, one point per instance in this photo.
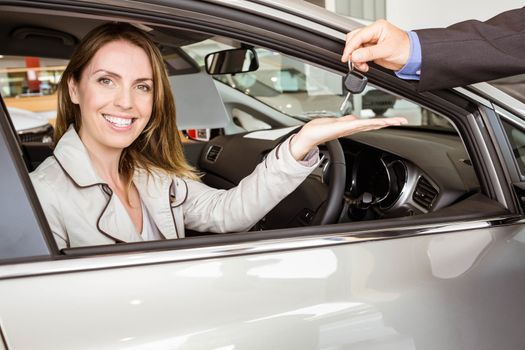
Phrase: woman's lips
[119,122]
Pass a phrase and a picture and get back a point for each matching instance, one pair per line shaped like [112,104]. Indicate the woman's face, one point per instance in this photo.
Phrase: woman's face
[115,96]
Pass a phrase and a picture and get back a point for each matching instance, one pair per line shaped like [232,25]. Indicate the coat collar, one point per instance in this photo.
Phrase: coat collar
[73,157]
[158,191]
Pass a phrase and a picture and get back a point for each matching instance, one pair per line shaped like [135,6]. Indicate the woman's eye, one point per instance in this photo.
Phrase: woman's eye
[105,81]
[144,87]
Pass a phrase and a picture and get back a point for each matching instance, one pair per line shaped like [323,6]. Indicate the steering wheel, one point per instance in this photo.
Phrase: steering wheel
[330,210]
[312,203]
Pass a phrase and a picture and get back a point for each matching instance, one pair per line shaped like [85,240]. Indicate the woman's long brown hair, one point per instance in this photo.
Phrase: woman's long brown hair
[159,145]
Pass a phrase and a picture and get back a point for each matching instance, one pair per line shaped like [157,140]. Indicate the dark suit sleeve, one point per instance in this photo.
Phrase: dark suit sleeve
[473,51]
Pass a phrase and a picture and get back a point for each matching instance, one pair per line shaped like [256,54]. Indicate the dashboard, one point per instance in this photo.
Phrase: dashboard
[393,172]
[403,172]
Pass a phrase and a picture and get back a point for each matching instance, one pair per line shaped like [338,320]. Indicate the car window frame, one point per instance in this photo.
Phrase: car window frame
[496,105]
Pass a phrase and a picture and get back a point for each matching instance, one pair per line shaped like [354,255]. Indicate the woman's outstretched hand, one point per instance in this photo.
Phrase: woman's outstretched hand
[321,130]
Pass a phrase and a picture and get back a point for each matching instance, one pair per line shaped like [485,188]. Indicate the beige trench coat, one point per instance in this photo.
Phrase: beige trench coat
[80,207]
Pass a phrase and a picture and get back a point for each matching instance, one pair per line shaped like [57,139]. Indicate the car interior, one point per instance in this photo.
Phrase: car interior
[231,120]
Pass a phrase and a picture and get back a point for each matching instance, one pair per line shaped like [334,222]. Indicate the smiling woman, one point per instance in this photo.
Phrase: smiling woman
[115,107]
[118,173]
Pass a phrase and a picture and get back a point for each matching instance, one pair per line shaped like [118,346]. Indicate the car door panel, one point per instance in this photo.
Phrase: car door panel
[427,292]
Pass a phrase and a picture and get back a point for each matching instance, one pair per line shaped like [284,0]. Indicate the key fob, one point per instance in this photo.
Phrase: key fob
[355,82]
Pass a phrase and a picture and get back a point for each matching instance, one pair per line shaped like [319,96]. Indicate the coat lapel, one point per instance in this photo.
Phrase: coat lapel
[116,224]
[154,190]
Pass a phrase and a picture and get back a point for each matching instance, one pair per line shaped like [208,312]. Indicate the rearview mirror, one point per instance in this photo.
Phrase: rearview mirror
[232,61]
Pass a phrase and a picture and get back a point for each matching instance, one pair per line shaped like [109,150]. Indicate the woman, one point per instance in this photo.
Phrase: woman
[118,173]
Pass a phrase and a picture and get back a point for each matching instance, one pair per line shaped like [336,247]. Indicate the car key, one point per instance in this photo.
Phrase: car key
[345,101]
[355,82]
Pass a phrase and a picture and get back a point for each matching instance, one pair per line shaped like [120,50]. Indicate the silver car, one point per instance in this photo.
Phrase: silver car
[409,237]
[31,126]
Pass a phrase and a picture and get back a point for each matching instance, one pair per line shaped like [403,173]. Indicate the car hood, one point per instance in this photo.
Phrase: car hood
[24,119]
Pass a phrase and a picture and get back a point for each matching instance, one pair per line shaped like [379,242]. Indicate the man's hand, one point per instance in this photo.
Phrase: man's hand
[381,42]
[321,130]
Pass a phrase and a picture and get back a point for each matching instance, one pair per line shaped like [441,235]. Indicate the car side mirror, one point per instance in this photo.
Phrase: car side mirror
[231,61]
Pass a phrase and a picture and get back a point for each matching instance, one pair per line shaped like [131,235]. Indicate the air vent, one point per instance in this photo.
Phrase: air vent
[425,193]
[213,153]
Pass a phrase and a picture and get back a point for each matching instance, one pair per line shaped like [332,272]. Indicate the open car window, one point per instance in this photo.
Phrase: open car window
[418,169]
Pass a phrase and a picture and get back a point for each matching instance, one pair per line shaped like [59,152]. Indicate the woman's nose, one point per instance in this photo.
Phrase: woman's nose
[124,98]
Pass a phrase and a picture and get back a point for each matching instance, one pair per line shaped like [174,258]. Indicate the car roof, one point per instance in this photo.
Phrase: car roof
[68,30]
[300,9]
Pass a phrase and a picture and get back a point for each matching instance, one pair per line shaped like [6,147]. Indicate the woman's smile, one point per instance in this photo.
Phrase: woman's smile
[119,122]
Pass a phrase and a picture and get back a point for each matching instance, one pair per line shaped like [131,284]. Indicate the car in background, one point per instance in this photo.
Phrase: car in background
[409,237]
[28,87]
[31,126]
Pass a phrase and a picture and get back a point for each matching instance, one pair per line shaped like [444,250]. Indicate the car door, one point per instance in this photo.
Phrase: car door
[421,283]
[413,287]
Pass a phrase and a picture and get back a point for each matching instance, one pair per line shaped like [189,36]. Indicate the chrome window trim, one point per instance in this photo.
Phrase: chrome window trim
[499,97]
[474,97]
[510,117]
[124,260]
